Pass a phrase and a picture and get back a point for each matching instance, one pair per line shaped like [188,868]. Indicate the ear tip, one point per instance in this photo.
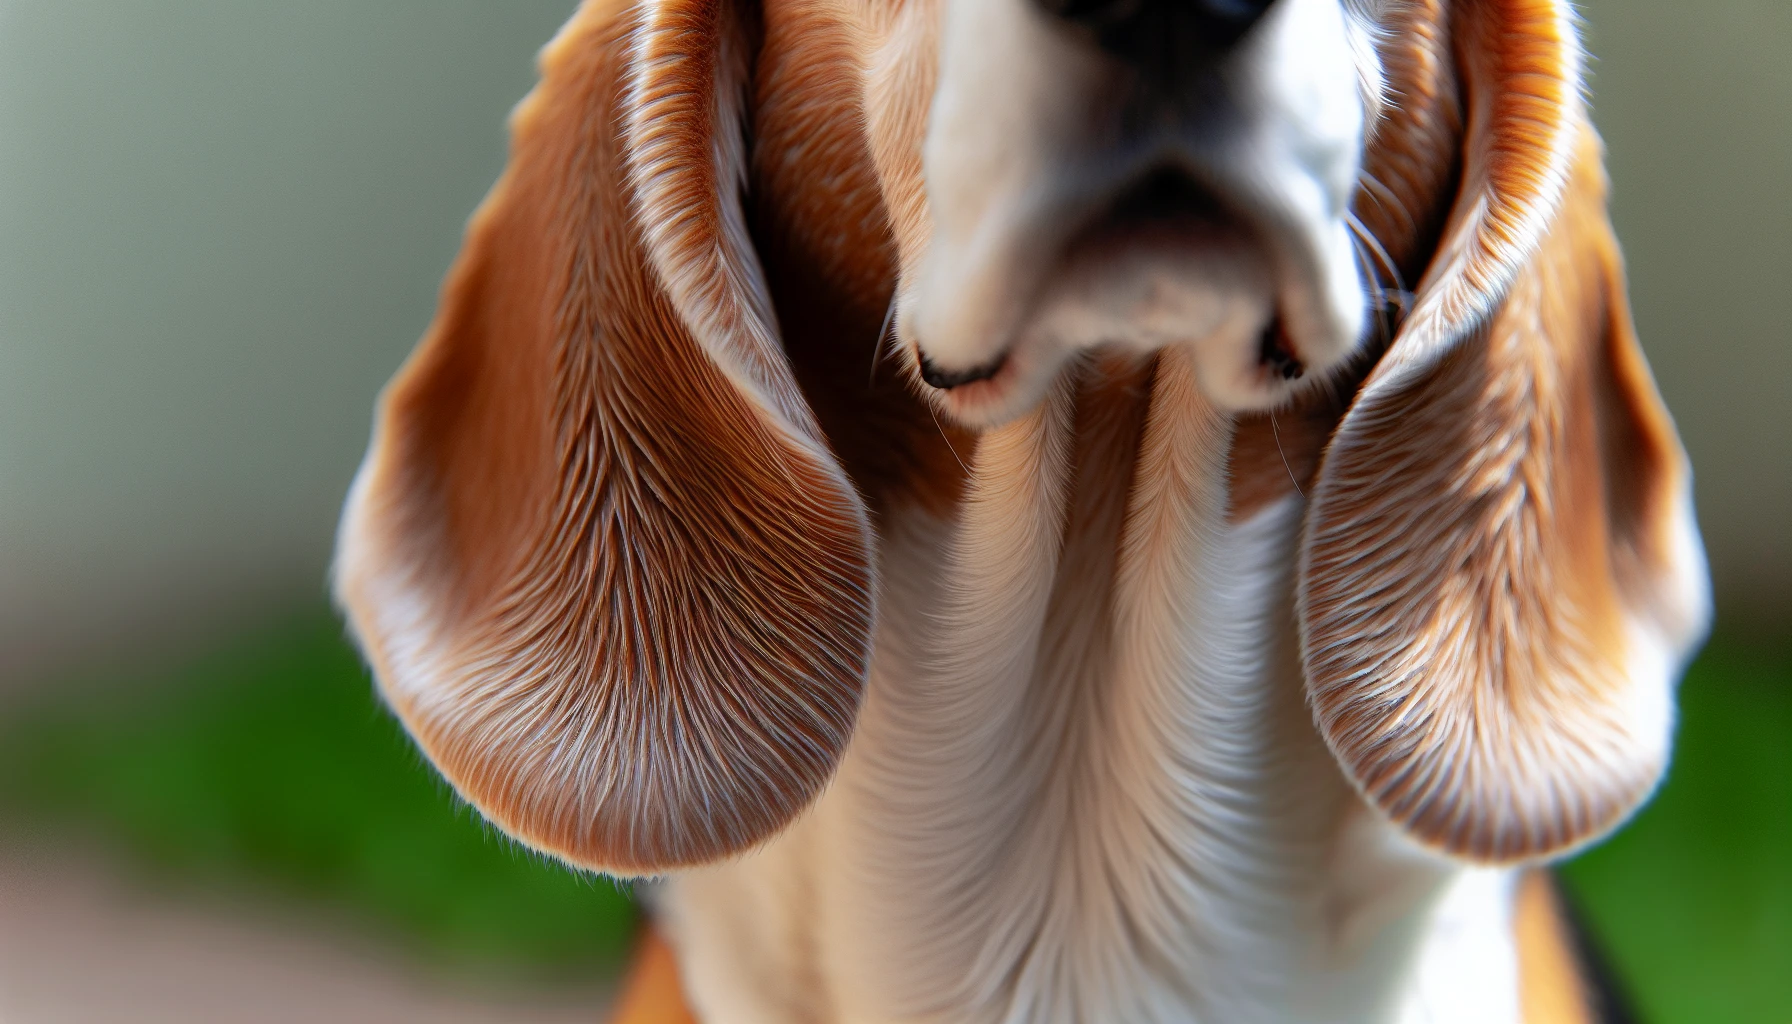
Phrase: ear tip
[626,749]
[626,722]
[1515,824]
[1530,770]
[612,778]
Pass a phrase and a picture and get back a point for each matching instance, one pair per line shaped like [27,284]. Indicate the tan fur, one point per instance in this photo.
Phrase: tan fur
[821,226]
[1550,984]
[1413,160]
[650,992]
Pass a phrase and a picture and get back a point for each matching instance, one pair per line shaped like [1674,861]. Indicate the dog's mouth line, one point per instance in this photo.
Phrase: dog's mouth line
[1166,207]
[1168,198]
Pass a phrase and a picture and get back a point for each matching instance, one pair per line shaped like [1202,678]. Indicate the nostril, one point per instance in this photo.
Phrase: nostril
[946,380]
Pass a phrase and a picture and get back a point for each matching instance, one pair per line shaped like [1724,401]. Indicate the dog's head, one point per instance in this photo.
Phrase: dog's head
[611,553]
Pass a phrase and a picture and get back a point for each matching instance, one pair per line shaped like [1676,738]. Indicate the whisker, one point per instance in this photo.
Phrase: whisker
[949,445]
[1387,199]
[1372,274]
[1277,431]
[1392,308]
[883,338]
[1378,298]
[1381,253]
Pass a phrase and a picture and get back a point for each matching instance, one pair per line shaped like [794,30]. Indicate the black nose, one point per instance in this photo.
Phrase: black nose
[1150,32]
[946,380]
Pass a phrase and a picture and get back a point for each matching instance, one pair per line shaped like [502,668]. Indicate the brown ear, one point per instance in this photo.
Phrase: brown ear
[599,556]
[1500,574]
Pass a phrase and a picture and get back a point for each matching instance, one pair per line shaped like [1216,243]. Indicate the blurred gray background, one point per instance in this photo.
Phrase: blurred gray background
[222,224]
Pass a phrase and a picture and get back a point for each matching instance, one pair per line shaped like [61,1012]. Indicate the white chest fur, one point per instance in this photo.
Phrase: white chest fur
[1085,786]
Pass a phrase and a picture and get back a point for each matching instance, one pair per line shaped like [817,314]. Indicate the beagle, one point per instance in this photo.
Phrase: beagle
[1045,510]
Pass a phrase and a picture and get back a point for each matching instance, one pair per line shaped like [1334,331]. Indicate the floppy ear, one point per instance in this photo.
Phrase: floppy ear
[1500,575]
[600,558]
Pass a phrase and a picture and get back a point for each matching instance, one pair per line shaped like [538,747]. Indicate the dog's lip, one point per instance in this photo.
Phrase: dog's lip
[1277,351]
[949,380]
[982,401]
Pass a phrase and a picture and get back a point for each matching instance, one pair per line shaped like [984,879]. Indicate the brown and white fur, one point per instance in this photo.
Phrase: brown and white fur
[1138,682]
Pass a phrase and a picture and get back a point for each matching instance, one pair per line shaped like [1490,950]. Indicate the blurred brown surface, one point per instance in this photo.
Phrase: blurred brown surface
[80,944]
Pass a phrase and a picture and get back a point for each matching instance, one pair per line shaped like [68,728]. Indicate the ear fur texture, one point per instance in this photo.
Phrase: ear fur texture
[601,560]
[1500,574]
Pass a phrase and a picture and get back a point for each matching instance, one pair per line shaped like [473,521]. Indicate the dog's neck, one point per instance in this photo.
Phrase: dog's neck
[1085,785]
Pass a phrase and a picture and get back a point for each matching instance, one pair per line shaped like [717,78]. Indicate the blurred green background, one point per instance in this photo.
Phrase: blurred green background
[268,762]
[222,224]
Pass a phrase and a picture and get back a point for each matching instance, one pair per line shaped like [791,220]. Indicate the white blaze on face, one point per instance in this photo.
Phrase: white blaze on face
[1026,154]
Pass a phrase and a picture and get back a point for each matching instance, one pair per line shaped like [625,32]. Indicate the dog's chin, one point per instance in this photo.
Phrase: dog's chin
[1187,280]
